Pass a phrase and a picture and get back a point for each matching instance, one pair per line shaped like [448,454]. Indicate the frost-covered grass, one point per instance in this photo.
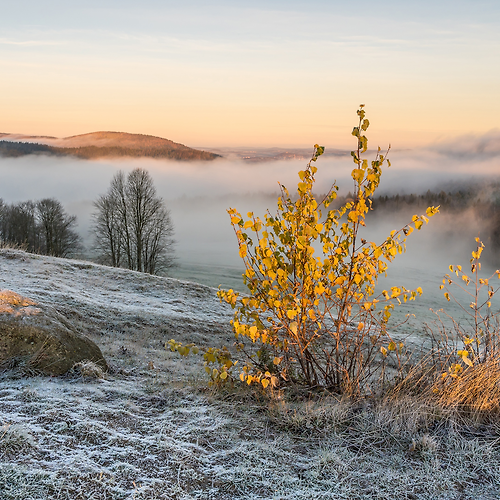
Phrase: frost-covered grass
[151,430]
[137,437]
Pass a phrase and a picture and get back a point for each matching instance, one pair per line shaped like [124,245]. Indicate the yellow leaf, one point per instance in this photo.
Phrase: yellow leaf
[468,362]
[264,382]
[293,327]
[291,313]
[277,361]
[391,346]
[253,332]
[223,375]
[358,174]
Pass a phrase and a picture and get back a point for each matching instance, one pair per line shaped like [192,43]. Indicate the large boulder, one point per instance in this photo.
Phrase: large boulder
[37,338]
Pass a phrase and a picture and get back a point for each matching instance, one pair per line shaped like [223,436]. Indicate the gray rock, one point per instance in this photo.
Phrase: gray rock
[36,337]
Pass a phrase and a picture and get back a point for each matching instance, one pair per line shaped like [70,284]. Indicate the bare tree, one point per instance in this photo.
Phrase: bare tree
[108,231]
[58,237]
[132,225]
[19,225]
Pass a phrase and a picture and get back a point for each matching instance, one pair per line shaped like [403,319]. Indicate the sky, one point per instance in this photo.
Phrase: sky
[260,73]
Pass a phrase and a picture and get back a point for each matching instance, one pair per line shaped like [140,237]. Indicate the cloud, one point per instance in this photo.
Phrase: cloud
[471,147]
[28,43]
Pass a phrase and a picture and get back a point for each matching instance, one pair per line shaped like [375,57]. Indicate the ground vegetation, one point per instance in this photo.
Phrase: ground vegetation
[150,428]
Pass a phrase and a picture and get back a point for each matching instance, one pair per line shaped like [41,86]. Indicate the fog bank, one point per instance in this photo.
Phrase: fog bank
[198,194]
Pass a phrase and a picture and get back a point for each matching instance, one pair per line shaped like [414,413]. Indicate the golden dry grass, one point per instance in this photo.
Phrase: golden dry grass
[476,390]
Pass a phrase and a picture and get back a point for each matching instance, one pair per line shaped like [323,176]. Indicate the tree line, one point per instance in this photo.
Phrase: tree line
[39,227]
[16,149]
[452,201]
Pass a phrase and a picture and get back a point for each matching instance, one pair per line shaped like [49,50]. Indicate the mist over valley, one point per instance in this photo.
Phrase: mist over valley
[198,193]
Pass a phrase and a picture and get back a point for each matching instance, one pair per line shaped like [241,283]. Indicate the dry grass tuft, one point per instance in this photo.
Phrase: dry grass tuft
[88,369]
[476,390]
[327,415]
[15,438]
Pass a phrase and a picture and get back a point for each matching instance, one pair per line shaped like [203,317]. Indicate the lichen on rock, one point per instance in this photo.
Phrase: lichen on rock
[37,338]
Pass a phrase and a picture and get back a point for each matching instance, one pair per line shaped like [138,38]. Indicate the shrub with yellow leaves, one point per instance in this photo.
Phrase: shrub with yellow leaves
[313,310]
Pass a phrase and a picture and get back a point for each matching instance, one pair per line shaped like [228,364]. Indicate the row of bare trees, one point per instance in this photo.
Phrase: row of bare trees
[39,227]
[132,226]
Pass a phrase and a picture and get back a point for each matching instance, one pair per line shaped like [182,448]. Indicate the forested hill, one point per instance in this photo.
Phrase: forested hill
[105,144]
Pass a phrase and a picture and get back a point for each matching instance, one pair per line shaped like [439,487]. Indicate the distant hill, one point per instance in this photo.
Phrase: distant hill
[101,145]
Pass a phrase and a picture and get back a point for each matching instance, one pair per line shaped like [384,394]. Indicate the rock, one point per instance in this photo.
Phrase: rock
[36,337]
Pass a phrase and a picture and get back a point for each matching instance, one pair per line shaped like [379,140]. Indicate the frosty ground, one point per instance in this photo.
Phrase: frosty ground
[150,429]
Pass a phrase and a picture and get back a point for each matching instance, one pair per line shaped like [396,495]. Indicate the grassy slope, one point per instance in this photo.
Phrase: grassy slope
[147,432]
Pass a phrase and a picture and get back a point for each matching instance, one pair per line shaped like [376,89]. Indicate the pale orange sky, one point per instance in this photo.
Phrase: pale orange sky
[251,73]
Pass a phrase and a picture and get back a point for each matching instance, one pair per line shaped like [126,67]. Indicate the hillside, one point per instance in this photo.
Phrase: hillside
[150,429]
[101,145]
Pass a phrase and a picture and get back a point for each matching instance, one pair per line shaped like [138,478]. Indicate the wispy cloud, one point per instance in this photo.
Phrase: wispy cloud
[29,43]
[471,146]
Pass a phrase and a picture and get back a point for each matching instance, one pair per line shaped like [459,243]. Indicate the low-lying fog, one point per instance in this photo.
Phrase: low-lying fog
[198,195]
